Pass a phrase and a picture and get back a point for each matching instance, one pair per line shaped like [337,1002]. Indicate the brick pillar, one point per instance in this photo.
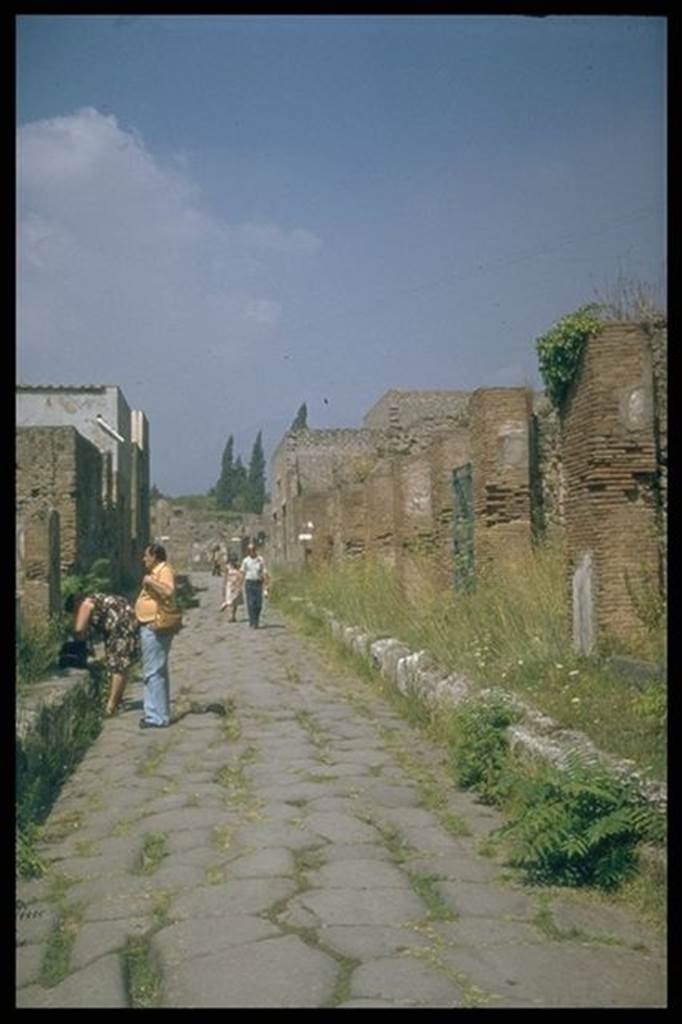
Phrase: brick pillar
[500,427]
[609,455]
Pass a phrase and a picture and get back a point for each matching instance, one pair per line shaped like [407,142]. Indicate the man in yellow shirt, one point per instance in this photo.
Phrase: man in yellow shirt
[158,586]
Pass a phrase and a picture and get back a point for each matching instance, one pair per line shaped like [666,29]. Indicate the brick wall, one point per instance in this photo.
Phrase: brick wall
[500,428]
[610,464]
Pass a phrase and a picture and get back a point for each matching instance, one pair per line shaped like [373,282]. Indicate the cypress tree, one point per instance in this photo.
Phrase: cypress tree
[255,489]
[224,489]
[240,481]
[301,419]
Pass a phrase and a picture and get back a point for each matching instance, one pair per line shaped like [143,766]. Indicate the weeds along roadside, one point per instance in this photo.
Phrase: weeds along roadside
[511,632]
[578,826]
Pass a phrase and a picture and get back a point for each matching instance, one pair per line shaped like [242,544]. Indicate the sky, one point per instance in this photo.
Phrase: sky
[229,215]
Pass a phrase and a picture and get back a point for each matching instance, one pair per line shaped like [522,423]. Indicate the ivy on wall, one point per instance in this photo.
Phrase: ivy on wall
[560,348]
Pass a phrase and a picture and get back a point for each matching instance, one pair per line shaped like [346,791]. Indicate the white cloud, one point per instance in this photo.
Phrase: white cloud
[125,277]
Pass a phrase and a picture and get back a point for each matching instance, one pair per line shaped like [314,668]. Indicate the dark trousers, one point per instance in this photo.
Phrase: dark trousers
[254,600]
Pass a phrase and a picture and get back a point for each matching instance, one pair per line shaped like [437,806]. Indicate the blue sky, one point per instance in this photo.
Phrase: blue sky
[230,215]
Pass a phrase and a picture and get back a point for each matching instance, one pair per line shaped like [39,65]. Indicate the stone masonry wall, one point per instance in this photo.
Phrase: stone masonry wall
[401,410]
[59,469]
[609,452]
[189,535]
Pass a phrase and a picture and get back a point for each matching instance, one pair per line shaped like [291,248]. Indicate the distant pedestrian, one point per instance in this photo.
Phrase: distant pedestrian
[234,582]
[158,590]
[256,579]
[113,618]
[216,561]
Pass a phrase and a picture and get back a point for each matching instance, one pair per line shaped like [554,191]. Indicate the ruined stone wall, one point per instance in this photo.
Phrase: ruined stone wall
[59,469]
[500,428]
[447,452]
[310,462]
[658,336]
[41,575]
[189,535]
[609,452]
[401,410]
[548,488]
[381,499]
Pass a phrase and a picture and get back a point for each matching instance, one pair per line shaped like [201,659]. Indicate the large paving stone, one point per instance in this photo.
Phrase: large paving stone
[186,818]
[358,874]
[486,900]
[599,920]
[361,906]
[340,827]
[564,974]
[37,927]
[185,940]
[185,840]
[117,905]
[369,942]
[266,834]
[385,795]
[487,931]
[29,960]
[269,863]
[459,866]
[280,973]
[243,896]
[103,888]
[409,817]
[400,978]
[100,985]
[357,1004]
[100,937]
[354,851]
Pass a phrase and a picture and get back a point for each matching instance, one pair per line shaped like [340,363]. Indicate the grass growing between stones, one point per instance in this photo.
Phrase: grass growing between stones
[55,965]
[154,849]
[222,837]
[143,980]
[152,758]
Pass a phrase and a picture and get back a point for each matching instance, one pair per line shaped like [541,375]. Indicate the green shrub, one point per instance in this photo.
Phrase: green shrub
[560,348]
[28,863]
[479,746]
[37,650]
[578,825]
[98,578]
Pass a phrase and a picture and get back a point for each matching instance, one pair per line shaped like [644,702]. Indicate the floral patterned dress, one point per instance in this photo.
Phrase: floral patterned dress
[114,618]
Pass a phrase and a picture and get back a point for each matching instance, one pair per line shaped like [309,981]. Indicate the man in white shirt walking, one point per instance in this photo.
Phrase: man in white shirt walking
[256,578]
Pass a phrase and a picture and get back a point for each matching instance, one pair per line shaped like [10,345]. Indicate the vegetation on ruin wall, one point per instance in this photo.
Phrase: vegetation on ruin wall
[510,632]
[47,756]
[559,350]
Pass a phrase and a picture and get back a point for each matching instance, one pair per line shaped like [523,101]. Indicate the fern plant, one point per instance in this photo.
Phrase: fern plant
[578,825]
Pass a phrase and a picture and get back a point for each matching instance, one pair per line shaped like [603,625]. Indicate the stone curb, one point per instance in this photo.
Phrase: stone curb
[416,674]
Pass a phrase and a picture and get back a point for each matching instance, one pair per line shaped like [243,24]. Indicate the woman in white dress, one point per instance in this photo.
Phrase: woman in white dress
[234,582]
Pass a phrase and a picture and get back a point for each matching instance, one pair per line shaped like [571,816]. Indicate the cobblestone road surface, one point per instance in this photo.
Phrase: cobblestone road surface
[296,852]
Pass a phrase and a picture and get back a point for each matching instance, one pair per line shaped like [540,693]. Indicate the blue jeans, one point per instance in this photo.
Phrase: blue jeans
[155,650]
[254,600]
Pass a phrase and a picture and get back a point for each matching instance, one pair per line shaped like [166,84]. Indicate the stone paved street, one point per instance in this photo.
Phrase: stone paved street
[292,853]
